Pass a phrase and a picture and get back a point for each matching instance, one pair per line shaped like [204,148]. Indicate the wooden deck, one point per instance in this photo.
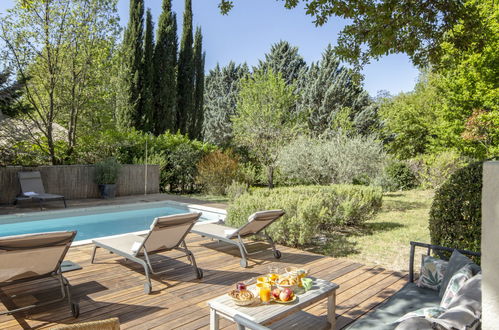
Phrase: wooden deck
[113,287]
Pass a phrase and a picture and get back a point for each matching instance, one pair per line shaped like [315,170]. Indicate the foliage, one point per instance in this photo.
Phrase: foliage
[328,90]
[284,59]
[216,171]
[264,122]
[433,170]
[337,159]
[175,153]
[10,92]
[185,78]
[65,65]
[131,99]
[235,190]
[146,121]
[165,63]
[107,171]
[310,210]
[196,117]
[220,99]
[408,119]
[455,215]
[417,28]
[399,176]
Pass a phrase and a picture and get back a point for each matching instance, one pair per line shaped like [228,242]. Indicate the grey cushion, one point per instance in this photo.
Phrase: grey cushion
[416,323]
[408,299]
[456,262]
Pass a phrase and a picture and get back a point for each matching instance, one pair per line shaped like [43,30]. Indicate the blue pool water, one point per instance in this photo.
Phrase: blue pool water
[92,222]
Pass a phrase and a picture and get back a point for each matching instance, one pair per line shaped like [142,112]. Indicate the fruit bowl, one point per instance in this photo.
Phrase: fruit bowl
[287,301]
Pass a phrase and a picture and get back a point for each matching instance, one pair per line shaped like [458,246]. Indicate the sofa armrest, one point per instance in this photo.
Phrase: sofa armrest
[436,249]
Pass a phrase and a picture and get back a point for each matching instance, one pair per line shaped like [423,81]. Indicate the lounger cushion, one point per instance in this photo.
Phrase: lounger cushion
[120,243]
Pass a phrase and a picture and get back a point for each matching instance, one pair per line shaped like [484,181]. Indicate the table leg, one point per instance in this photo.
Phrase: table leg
[214,320]
[331,310]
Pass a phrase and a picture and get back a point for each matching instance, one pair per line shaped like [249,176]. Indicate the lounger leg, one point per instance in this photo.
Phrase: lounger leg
[40,202]
[242,249]
[64,200]
[93,254]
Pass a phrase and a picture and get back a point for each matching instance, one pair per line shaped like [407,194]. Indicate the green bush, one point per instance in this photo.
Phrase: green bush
[216,171]
[455,215]
[399,176]
[336,159]
[310,210]
[107,171]
[434,169]
[235,190]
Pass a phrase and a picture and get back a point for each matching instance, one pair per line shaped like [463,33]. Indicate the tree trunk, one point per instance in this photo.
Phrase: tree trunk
[270,171]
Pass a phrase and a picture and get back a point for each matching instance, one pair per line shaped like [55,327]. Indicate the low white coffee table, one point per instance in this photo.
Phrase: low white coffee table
[223,306]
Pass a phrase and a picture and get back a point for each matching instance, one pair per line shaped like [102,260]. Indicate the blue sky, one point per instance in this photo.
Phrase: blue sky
[249,30]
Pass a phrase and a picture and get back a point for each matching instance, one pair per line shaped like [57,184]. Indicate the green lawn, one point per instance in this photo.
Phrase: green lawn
[385,240]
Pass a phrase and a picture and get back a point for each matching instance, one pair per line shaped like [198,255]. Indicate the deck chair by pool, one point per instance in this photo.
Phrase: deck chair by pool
[257,222]
[166,233]
[25,258]
[32,188]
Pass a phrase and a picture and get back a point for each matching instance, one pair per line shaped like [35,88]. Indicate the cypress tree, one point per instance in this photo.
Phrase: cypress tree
[285,59]
[147,122]
[196,121]
[185,80]
[165,64]
[130,108]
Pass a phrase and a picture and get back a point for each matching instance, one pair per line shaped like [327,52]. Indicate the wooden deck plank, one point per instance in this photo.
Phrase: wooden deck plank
[113,287]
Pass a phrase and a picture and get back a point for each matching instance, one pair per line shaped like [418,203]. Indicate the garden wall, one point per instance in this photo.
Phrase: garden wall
[76,181]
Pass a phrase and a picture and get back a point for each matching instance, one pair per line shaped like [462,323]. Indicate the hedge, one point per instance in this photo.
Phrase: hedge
[310,210]
[455,215]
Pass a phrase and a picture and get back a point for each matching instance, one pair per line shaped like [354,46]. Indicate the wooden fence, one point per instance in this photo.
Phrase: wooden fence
[76,181]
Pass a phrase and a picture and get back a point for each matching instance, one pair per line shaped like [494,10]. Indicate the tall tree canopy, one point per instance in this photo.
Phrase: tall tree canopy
[283,58]
[165,75]
[63,51]
[196,119]
[131,107]
[329,91]
[185,79]
[220,99]
[10,92]
[417,28]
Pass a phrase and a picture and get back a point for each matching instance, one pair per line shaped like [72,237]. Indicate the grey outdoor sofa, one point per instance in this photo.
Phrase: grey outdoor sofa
[409,298]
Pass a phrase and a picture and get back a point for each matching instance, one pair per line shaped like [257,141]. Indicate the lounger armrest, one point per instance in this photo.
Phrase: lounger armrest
[436,249]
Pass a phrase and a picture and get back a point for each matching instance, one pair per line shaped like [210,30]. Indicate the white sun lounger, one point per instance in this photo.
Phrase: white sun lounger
[29,257]
[257,222]
[166,233]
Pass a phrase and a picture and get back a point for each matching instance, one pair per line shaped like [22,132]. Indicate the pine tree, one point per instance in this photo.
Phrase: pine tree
[196,120]
[220,100]
[329,91]
[185,80]
[285,59]
[147,120]
[165,76]
[130,107]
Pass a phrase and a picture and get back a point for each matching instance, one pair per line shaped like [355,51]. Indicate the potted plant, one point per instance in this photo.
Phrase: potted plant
[106,176]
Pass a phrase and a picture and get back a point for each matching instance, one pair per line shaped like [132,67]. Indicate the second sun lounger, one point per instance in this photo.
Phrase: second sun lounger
[167,233]
[32,188]
[257,222]
[25,258]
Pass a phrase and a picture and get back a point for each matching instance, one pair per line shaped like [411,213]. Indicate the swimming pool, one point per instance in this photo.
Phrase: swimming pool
[100,221]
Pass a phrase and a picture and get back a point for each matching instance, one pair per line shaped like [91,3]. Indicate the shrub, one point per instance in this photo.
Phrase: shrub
[434,169]
[455,214]
[337,159]
[107,171]
[216,171]
[310,210]
[399,176]
[235,190]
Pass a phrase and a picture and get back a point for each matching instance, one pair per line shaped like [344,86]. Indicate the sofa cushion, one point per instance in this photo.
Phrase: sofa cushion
[456,262]
[409,298]
[457,281]
[415,324]
[432,273]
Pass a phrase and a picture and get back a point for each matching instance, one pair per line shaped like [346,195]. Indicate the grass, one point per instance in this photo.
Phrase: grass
[384,240]
[207,197]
